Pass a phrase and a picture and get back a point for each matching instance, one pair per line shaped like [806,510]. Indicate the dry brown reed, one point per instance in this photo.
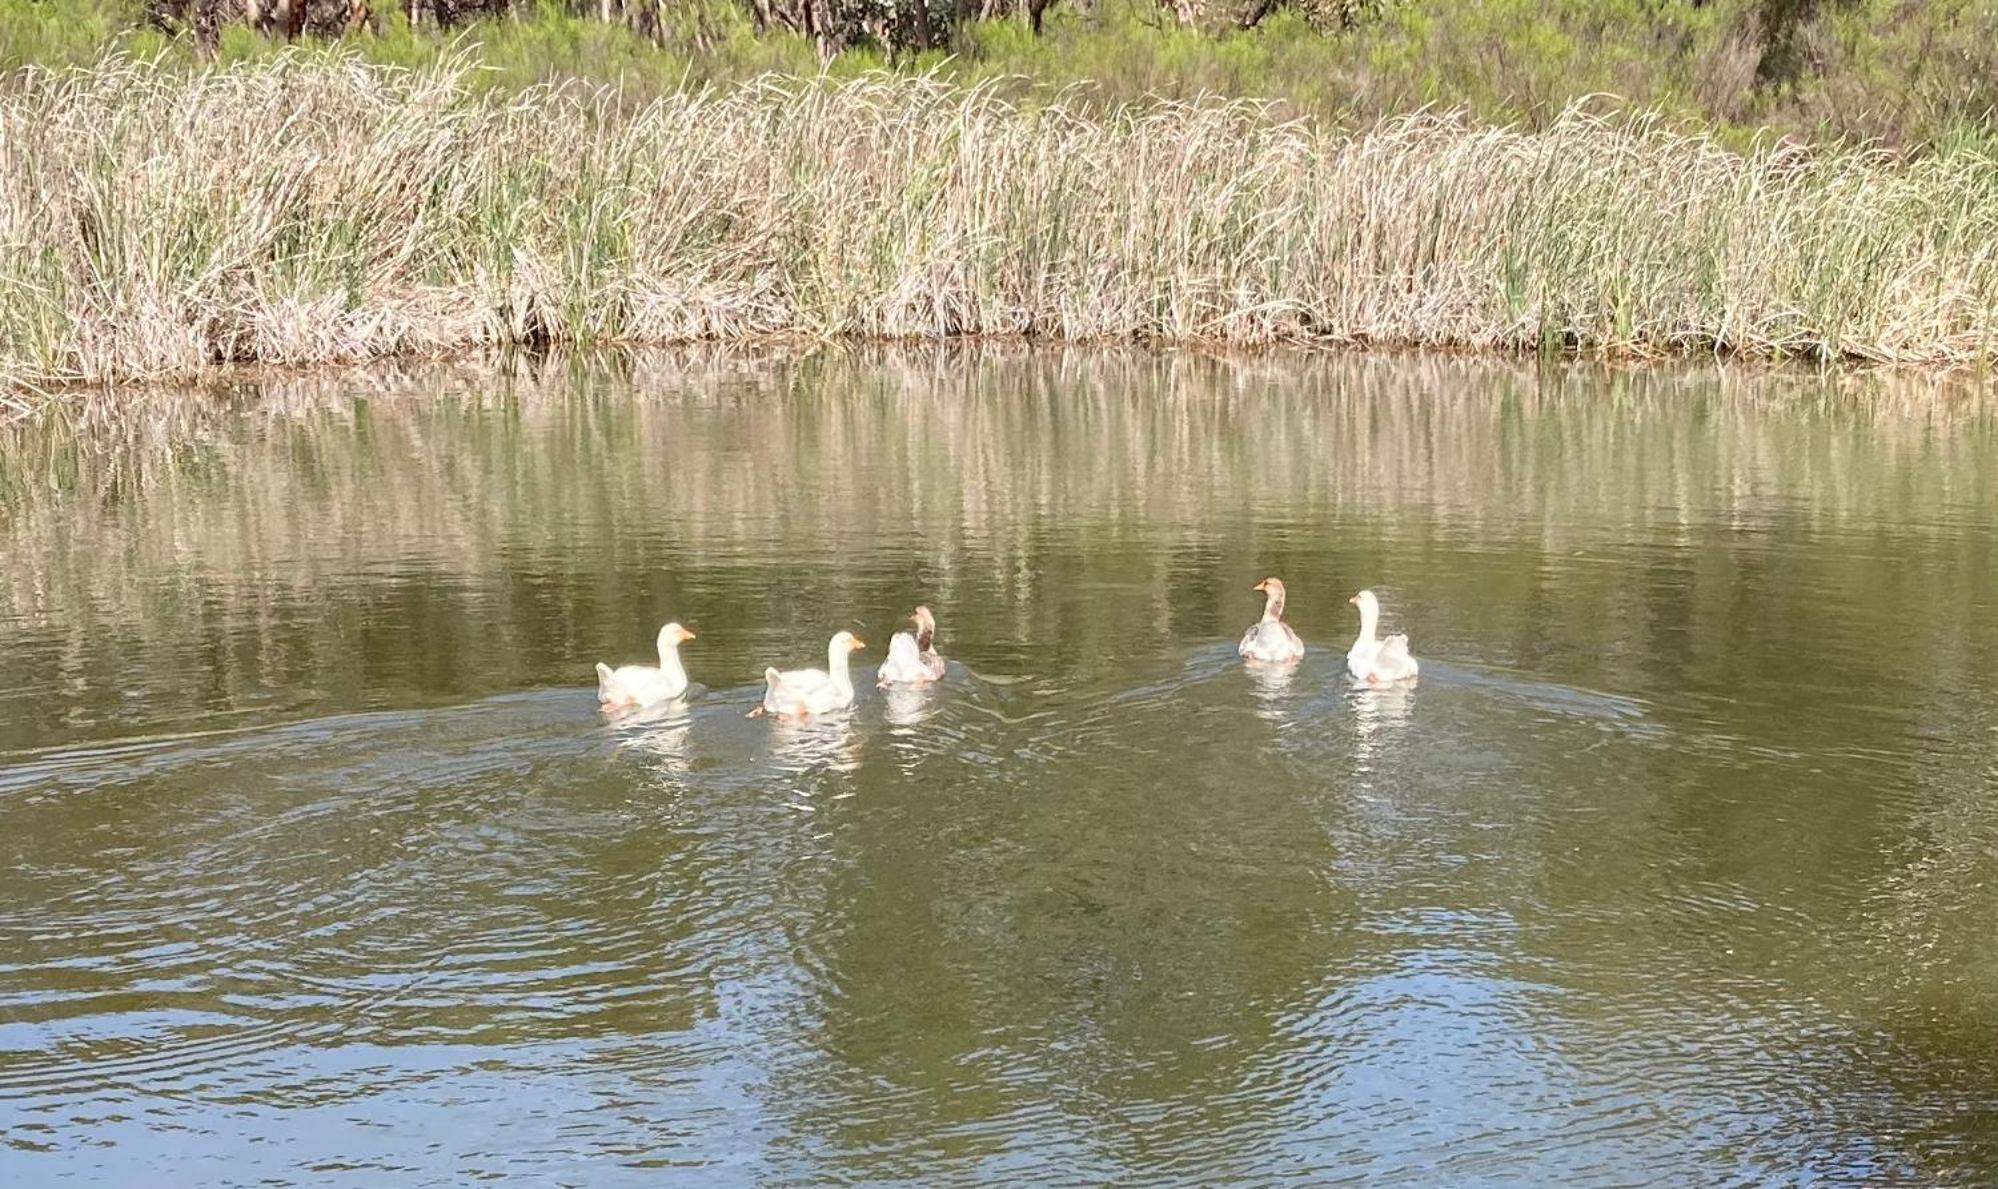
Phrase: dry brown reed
[157,223]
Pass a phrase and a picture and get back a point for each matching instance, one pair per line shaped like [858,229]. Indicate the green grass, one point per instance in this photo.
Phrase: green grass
[54,33]
[711,41]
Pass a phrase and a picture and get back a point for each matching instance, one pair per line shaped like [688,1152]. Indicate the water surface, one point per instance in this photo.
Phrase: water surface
[1678,864]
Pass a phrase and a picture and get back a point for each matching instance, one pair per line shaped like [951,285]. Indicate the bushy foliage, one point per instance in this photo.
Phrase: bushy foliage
[1905,73]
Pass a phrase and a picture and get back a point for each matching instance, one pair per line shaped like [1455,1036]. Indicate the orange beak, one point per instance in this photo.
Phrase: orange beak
[1355,600]
[1263,585]
[858,644]
[687,634]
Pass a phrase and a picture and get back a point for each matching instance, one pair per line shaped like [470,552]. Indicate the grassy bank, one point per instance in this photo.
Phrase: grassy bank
[156,222]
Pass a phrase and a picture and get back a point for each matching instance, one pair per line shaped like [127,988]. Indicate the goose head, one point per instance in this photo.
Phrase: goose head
[673,634]
[926,627]
[1273,588]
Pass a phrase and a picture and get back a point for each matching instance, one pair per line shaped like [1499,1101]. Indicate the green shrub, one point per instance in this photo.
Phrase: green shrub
[1902,72]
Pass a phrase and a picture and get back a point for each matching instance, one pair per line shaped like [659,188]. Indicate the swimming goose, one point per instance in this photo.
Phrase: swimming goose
[912,656]
[629,687]
[1271,641]
[800,692]
[1377,662]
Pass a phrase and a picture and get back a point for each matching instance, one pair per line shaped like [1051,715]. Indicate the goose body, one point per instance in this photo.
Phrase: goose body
[1377,661]
[912,656]
[629,687]
[800,692]
[1271,641]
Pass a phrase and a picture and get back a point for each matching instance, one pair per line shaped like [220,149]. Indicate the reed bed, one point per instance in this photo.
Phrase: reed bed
[157,222]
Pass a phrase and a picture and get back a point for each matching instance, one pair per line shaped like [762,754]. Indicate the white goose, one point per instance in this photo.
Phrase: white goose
[912,656]
[629,687]
[1272,641]
[800,692]
[1373,661]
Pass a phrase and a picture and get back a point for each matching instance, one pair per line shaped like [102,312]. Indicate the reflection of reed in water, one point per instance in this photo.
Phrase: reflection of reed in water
[1005,435]
[1011,473]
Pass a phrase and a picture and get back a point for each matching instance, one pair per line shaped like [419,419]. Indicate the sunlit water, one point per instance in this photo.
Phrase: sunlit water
[1679,864]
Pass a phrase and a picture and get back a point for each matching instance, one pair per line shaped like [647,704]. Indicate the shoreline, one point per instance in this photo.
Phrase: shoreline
[776,354]
[799,344]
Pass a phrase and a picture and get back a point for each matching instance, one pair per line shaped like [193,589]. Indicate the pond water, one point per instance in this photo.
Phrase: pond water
[1679,862]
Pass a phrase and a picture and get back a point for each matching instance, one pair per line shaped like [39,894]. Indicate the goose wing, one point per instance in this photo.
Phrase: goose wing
[1394,661]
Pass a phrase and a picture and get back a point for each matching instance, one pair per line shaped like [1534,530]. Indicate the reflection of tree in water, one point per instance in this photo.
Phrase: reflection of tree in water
[1021,949]
[370,880]
[1924,970]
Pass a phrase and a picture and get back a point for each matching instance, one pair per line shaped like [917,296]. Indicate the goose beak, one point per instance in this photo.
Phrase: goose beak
[858,643]
[1355,600]
[687,634]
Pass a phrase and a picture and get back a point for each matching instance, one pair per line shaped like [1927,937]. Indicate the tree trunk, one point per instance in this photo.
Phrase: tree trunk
[207,26]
